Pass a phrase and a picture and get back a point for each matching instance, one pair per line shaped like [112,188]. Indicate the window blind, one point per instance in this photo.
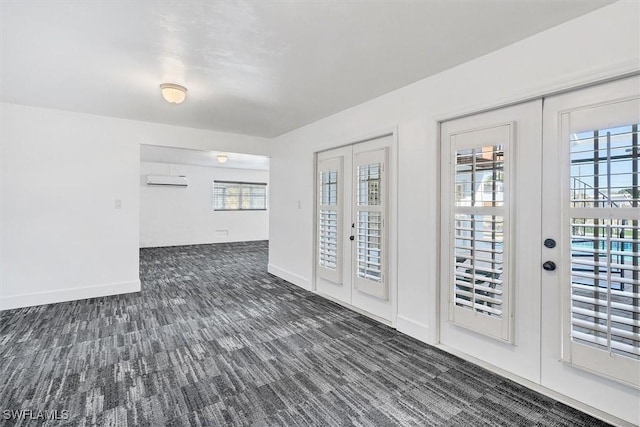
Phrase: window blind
[605,244]
[328,220]
[329,256]
[369,222]
[479,230]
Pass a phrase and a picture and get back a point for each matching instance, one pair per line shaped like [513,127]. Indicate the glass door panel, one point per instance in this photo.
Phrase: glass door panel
[369,215]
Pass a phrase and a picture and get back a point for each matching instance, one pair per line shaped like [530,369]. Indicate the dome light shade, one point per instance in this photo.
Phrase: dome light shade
[173,93]
[222,158]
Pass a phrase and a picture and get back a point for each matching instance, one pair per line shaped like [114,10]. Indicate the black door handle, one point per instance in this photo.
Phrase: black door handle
[549,243]
[549,265]
[351,237]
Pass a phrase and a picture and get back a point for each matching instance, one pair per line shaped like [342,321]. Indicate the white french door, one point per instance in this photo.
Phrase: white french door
[591,327]
[352,260]
[540,266]
[490,275]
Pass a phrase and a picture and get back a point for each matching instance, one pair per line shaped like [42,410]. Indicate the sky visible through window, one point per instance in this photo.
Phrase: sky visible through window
[593,153]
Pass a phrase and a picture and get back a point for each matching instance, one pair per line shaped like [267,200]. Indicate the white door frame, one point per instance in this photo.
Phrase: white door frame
[392,221]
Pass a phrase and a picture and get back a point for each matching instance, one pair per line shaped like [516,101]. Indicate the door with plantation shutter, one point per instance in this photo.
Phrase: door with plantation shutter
[352,256]
[591,176]
[540,259]
[490,238]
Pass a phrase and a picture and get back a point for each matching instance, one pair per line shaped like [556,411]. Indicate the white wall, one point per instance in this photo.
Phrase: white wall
[61,172]
[172,216]
[599,45]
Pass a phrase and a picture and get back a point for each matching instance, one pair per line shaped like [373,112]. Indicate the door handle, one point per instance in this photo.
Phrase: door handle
[549,265]
[352,237]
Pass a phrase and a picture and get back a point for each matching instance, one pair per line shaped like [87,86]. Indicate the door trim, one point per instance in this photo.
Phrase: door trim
[553,89]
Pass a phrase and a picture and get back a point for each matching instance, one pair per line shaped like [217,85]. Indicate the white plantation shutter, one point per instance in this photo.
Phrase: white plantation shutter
[480,216]
[329,262]
[602,237]
[479,265]
[369,228]
[328,235]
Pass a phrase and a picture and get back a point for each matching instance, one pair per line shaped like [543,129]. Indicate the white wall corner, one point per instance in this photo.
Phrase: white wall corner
[416,330]
[290,277]
[71,294]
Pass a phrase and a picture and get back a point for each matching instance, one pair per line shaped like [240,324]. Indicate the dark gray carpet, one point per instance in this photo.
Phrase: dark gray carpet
[213,339]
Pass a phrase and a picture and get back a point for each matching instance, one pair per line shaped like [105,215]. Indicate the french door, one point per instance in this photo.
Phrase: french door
[352,226]
[591,217]
[540,264]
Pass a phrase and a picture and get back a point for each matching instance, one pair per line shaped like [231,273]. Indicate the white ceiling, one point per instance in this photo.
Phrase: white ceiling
[253,67]
[154,153]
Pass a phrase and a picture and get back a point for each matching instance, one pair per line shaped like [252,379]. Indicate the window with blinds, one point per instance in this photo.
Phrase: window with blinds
[479,264]
[239,196]
[369,222]
[479,239]
[329,219]
[369,212]
[605,245]
[479,282]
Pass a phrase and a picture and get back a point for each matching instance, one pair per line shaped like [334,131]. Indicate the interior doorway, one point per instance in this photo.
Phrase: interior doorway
[190,197]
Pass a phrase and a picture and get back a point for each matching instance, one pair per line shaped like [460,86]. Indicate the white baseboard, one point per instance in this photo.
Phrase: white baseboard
[416,330]
[289,277]
[356,309]
[150,245]
[71,294]
[539,388]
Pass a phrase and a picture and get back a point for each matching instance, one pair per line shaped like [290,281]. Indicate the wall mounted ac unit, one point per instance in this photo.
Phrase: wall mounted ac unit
[169,181]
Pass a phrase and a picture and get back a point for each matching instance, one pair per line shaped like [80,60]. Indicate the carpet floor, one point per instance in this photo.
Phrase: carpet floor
[215,340]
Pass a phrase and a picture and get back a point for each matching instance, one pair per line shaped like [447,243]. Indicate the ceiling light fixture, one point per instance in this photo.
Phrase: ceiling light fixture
[173,93]
[222,158]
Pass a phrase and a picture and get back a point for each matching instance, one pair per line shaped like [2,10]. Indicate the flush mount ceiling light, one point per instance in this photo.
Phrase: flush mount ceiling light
[222,158]
[173,93]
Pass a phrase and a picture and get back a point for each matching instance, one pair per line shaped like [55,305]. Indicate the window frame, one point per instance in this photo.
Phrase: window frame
[503,134]
[376,288]
[574,351]
[240,184]
[332,164]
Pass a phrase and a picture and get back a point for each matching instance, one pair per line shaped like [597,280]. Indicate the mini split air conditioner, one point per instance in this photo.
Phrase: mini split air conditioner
[167,181]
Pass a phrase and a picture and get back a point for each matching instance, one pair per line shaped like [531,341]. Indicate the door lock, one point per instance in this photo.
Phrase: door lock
[352,237]
[549,243]
[549,265]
